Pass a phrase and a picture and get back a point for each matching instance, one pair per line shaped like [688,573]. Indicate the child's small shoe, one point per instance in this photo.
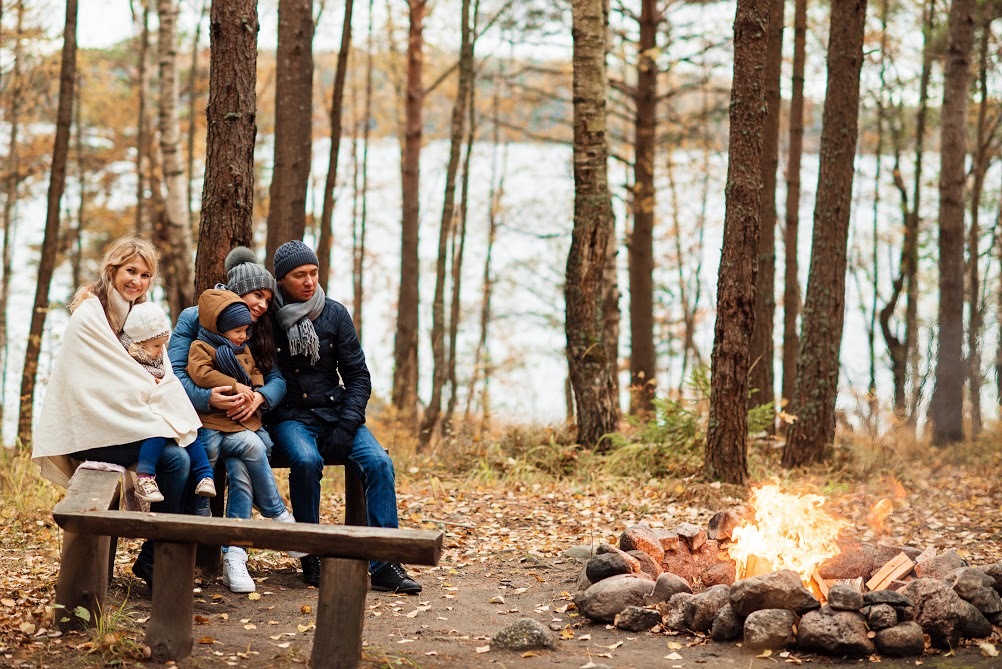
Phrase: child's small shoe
[286,517]
[206,487]
[147,489]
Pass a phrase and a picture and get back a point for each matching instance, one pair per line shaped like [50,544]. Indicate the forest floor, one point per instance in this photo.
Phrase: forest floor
[503,560]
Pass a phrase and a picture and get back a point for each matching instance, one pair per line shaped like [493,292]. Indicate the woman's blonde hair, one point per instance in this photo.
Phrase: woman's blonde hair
[117,254]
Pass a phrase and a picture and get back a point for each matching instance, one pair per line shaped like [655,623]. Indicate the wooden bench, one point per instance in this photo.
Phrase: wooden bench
[90,523]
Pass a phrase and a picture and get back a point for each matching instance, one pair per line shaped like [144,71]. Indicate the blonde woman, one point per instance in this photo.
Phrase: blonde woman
[100,404]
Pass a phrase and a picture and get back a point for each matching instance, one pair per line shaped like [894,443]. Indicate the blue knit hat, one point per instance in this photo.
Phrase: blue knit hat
[291,255]
[232,317]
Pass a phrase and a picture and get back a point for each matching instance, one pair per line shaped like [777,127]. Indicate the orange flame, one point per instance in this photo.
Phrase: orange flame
[878,514]
[789,532]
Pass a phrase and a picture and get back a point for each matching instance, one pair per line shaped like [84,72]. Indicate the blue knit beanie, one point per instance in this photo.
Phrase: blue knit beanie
[233,316]
[291,255]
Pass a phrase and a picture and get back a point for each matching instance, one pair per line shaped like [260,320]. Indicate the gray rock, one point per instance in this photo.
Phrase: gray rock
[603,600]
[881,616]
[677,611]
[611,564]
[723,523]
[904,640]
[775,590]
[705,606]
[647,563]
[967,580]
[666,586]
[602,549]
[895,599]
[844,597]
[579,552]
[939,566]
[987,600]
[939,610]
[974,624]
[995,619]
[769,629]
[522,635]
[641,537]
[995,571]
[834,633]
[693,535]
[582,582]
[637,619]
[727,626]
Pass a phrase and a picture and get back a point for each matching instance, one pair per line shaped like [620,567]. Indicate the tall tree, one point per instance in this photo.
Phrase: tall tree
[337,100]
[591,370]
[726,441]
[143,227]
[196,44]
[179,277]
[359,226]
[405,347]
[762,348]
[821,333]
[791,281]
[228,186]
[643,358]
[293,124]
[440,374]
[50,241]
[946,406]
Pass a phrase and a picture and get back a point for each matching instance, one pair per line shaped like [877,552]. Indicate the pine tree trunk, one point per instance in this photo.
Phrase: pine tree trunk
[643,357]
[726,440]
[337,101]
[440,374]
[762,348]
[228,187]
[591,370]
[74,243]
[821,333]
[192,97]
[359,240]
[791,280]
[405,348]
[293,124]
[179,277]
[50,242]
[142,140]
[946,409]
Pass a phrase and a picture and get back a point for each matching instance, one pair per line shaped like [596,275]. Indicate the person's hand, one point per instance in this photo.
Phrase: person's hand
[221,398]
[338,442]
[246,391]
[246,410]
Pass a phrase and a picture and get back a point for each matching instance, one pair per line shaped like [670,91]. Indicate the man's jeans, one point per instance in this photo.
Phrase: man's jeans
[298,441]
[249,476]
[173,468]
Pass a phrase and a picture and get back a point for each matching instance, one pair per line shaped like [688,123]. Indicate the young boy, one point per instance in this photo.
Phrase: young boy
[144,336]
[220,357]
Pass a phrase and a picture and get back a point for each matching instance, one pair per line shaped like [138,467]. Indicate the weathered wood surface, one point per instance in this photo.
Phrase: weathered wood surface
[369,543]
[90,490]
[337,643]
[169,635]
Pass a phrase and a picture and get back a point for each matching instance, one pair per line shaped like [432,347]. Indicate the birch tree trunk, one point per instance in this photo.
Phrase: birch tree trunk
[726,440]
[50,241]
[143,227]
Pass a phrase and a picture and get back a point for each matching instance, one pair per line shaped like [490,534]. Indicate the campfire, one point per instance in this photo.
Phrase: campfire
[784,574]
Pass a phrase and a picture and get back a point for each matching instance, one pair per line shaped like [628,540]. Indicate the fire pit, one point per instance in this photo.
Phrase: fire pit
[778,575]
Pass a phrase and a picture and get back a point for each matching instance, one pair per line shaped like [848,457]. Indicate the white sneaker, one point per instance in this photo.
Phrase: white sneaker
[147,489]
[235,576]
[206,487]
[286,517]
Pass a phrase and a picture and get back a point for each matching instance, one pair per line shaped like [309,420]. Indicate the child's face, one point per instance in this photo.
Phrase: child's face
[237,335]
[155,347]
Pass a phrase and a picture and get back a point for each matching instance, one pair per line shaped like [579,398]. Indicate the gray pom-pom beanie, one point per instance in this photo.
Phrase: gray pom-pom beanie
[244,275]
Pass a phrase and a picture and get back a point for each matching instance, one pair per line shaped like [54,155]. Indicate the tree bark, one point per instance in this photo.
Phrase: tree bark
[228,188]
[791,280]
[293,124]
[762,348]
[50,241]
[946,407]
[824,308]
[359,235]
[405,348]
[337,102]
[179,279]
[192,96]
[440,374]
[726,440]
[143,227]
[591,370]
[643,357]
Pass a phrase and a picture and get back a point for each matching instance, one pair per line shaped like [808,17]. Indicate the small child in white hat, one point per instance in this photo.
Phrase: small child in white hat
[145,336]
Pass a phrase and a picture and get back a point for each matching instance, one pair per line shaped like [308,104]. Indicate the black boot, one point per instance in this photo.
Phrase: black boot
[311,569]
[392,577]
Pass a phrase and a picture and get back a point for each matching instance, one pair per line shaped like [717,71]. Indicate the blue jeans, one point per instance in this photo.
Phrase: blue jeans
[250,479]
[149,455]
[173,468]
[298,441]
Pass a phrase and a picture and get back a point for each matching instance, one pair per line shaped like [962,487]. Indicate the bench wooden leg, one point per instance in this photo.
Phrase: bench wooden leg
[83,577]
[169,634]
[354,499]
[337,643]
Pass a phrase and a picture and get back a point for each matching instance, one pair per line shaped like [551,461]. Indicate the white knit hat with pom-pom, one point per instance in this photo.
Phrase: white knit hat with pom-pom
[244,275]
[146,321]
